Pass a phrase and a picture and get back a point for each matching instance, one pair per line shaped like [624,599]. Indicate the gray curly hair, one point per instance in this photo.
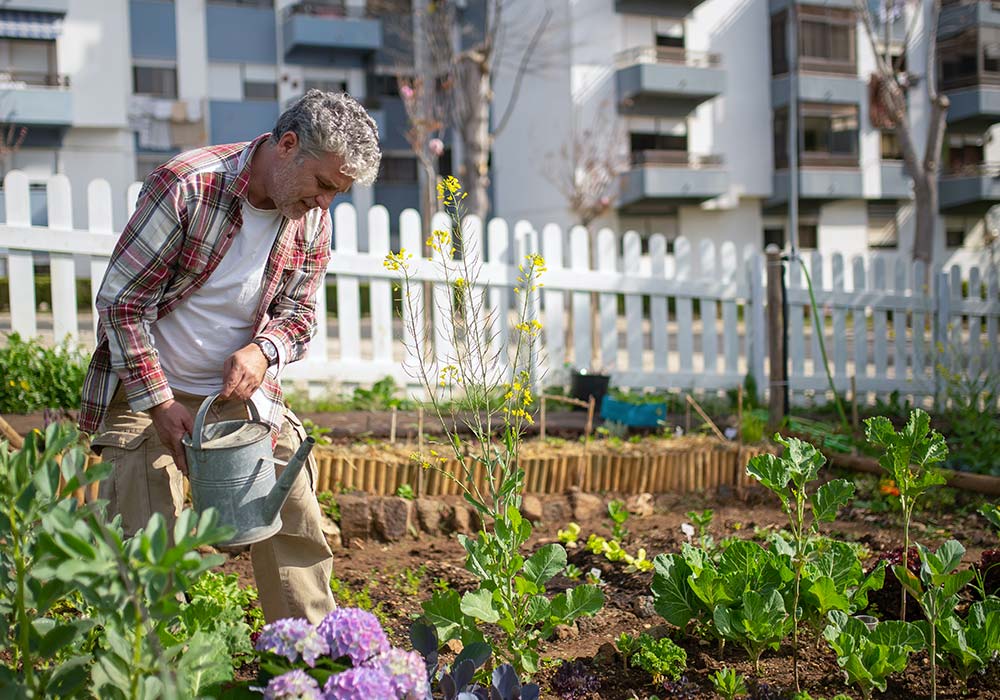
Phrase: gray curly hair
[334,122]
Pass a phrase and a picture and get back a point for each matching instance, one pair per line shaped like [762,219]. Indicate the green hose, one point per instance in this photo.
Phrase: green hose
[822,345]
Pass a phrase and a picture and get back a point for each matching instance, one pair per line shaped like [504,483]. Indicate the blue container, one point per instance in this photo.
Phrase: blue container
[634,415]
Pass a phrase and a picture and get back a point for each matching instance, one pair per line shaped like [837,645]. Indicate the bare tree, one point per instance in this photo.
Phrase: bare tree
[892,84]
[11,138]
[587,168]
[425,115]
[467,55]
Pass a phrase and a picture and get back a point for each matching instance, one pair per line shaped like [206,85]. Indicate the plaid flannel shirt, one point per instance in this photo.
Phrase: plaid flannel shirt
[187,213]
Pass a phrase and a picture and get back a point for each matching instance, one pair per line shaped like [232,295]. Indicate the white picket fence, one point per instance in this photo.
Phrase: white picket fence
[693,319]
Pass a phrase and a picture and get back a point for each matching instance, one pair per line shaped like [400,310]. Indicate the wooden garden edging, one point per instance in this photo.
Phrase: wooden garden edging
[680,465]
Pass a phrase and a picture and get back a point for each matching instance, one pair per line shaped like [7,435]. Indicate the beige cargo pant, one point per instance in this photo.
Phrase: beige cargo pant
[292,568]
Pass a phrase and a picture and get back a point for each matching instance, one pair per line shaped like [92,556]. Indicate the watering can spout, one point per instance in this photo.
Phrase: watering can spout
[276,498]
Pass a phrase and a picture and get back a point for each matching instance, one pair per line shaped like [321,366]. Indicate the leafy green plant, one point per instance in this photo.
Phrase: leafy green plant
[868,650]
[316,432]
[702,521]
[728,683]
[569,534]
[408,581]
[968,646]
[908,458]
[753,426]
[328,502]
[499,394]
[971,391]
[219,606]
[660,658]
[34,376]
[347,597]
[406,491]
[789,476]
[572,572]
[991,511]
[627,646]
[936,589]
[381,397]
[613,551]
[61,554]
[739,599]
[833,579]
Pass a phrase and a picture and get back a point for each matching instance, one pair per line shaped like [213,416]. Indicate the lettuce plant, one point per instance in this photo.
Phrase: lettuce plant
[789,476]
[660,658]
[728,683]
[908,458]
[869,652]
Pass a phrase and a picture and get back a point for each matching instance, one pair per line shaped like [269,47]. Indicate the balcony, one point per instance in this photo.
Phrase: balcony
[41,99]
[665,81]
[959,15]
[676,9]
[975,106]
[779,5]
[821,177]
[970,189]
[896,183]
[330,30]
[664,178]
[819,88]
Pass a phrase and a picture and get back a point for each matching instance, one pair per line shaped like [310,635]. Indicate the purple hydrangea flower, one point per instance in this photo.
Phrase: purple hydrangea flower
[294,685]
[407,672]
[357,683]
[290,638]
[353,633]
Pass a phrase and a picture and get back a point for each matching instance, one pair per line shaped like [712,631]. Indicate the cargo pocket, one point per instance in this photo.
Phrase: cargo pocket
[126,489]
[300,435]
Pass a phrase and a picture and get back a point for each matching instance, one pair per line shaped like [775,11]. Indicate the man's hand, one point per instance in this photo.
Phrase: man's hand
[173,421]
[243,372]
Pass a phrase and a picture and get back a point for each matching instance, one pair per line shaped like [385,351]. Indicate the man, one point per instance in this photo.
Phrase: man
[211,289]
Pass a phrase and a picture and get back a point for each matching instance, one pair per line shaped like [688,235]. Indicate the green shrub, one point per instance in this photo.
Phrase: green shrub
[43,292]
[35,376]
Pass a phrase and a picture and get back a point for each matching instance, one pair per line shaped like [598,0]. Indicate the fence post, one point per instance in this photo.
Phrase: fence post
[942,314]
[776,336]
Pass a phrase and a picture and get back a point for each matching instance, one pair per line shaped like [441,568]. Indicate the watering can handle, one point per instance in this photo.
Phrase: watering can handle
[199,419]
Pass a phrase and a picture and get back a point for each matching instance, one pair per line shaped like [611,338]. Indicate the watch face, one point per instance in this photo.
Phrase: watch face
[267,347]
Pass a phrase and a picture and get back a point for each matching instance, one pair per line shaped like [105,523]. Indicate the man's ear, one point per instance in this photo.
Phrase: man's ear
[288,144]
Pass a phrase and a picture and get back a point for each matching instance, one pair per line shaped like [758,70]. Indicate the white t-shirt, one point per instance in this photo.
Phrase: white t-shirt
[194,340]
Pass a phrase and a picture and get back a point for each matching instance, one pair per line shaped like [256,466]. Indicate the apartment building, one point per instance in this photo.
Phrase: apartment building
[112,88]
[703,94]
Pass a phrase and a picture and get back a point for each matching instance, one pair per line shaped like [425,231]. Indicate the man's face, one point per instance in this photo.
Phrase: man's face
[301,182]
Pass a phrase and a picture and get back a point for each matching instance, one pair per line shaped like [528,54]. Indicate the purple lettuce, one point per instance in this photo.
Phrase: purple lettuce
[357,683]
[354,633]
[294,685]
[406,670]
[291,638]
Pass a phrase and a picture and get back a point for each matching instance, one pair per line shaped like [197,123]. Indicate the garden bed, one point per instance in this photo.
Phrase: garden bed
[396,577]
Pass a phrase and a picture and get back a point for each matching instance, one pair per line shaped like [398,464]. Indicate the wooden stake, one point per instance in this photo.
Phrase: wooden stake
[11,435]
[541,419]
[590,419]
[701,412]
[392,426]
[854,402]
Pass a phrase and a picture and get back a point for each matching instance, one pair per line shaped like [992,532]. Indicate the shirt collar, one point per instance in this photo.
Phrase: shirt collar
[239,186]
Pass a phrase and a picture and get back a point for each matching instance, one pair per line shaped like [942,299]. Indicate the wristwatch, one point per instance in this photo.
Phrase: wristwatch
[270,351]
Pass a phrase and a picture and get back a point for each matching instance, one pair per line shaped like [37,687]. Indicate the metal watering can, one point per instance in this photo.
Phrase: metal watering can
[231,469]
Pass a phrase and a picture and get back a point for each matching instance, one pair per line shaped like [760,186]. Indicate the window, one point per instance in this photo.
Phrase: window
[890,149]
[258,90]
[326,85]
[775,235]
[808,236]
[646,141]
[883,231]
[29,61]
[826,40]
[954,233]
[779,44]
[990,40]
[781,139]
[670,41]
[957,60]
[244,3]
[397,170]
[385,86]
[962,153]
[829,134]
[155,81]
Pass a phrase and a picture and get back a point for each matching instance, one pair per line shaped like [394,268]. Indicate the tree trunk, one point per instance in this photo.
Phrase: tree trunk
[476,137]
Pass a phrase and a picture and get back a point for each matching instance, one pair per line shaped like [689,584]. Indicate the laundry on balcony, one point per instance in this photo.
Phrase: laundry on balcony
[45,26]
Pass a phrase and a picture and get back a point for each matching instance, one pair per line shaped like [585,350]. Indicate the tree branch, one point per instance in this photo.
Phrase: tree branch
[521,70]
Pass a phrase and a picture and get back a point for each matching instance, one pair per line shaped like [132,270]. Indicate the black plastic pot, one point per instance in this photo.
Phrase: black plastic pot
[583,386]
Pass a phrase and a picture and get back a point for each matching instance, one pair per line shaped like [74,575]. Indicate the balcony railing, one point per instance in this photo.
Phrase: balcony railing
[17,79]
[332,9]
[666,54]
[959,3]
[827,160]
[982,79]
[675,159]
[973,170]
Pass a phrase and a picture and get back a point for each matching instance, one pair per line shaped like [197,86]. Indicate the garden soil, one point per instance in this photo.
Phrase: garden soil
[386,571]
